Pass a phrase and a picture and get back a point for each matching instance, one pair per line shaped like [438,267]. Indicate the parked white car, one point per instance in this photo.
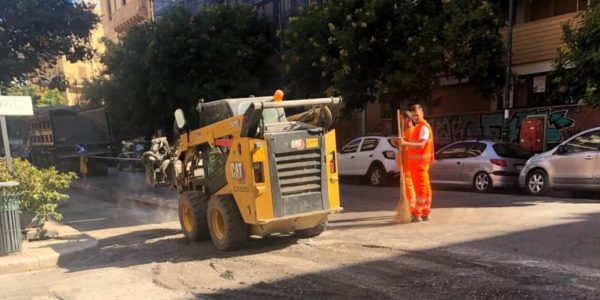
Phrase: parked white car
[373,157]
[574,164]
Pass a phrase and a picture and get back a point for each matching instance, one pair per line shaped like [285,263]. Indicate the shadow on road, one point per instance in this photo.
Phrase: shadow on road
[163,245]
[516,265]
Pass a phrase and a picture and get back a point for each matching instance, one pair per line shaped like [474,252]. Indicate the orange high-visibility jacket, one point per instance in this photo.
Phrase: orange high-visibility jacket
[426,153]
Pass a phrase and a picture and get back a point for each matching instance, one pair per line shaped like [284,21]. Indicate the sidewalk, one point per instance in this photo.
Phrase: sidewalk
[44,254]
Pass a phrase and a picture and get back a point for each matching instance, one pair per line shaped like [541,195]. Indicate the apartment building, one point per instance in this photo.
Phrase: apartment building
[76,73]
[120,15]
[457,112]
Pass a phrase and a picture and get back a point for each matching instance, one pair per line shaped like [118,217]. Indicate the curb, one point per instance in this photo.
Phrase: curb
[47,254]
[154,201]
[83,186]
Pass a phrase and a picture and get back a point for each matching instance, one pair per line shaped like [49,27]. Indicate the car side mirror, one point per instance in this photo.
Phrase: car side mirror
[180,119]
[562,149]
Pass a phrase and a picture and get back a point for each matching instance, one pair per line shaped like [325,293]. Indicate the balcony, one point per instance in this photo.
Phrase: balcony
[134,12]
[539,40]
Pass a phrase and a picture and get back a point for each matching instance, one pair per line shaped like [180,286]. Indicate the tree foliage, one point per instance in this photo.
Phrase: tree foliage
[577,67]
[40,188]
[360,48]
[172,63]
[40,96]
[33,32]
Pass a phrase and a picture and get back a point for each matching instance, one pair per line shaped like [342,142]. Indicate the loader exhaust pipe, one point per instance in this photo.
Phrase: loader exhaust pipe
[298,103]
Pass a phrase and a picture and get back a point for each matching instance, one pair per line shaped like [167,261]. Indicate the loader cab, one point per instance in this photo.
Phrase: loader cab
[216,111]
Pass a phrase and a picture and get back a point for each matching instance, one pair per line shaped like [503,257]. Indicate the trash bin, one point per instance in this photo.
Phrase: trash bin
[10,227]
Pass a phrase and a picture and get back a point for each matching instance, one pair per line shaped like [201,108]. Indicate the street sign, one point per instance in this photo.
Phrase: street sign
[12,106]
[16,106]
[80,149]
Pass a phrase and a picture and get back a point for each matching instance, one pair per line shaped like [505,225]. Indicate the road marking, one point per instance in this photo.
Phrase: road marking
[86,221]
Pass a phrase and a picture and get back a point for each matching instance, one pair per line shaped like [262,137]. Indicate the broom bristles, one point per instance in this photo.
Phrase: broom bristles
[403,214]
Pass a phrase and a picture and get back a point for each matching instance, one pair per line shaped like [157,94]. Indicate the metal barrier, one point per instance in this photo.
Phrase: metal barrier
[10,227]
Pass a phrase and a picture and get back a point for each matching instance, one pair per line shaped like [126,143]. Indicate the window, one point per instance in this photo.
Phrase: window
[214,113]
[351,147]
[585,142]
[82,73]
[510,150]
[475,149]
[109,7]
[369,144]
[541,9]
[454,151]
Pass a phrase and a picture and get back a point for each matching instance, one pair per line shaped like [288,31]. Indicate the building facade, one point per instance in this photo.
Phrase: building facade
[120,15]
[277,11]
[457,112]
[76,73]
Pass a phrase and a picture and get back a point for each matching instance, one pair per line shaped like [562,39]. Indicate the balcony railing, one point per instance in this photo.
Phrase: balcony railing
[539,40]
[134,12]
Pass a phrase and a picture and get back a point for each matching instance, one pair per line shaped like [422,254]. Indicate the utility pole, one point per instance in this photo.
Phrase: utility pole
[508,80]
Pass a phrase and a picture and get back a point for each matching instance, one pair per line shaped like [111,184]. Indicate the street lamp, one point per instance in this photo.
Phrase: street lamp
[508,80]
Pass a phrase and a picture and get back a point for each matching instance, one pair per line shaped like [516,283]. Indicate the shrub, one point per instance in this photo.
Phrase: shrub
[40,188]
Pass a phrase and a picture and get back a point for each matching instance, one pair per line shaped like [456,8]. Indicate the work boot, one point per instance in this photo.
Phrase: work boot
[416,219]
[426,218]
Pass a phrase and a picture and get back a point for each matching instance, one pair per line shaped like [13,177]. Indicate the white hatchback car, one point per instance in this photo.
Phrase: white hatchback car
[370,156]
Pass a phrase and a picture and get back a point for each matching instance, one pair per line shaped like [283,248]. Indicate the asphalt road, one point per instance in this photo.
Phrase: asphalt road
[478,246]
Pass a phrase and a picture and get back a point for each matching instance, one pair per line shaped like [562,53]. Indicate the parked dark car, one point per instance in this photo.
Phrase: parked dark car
[481,164]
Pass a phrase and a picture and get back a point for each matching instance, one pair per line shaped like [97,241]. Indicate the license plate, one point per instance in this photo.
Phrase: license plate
[519,168]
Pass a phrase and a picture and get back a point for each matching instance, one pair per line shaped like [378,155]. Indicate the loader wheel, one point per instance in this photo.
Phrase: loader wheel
[226,226]
[312,232]
[192,216]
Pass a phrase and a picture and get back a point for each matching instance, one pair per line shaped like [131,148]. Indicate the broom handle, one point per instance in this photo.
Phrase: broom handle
[400,153]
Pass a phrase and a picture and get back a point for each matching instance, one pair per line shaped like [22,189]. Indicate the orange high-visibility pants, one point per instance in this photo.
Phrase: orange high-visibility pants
[409,190]
[419,171]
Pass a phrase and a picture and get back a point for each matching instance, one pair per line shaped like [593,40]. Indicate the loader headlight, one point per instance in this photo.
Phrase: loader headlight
[331,162]
[259,175]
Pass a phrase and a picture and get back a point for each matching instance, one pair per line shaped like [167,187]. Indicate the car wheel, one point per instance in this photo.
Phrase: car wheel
[537,183]
[482,182]
[376,175]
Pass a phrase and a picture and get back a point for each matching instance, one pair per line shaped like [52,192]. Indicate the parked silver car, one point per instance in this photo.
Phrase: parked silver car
[574,164]
[481,164]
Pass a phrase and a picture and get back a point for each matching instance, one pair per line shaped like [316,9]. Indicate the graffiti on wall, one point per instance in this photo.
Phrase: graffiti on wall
[449,129]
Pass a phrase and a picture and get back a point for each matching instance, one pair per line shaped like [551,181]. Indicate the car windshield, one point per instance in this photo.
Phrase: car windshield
[510,150]
[270,115]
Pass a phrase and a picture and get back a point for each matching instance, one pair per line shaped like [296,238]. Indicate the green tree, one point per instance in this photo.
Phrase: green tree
[359,48]
[39,31]
[40,188]
[172,63]
[41,97]
[577,67]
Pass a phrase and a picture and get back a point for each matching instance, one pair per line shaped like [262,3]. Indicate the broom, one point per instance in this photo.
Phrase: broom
[403,214]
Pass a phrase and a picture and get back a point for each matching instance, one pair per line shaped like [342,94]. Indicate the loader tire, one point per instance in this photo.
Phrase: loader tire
[192,215]
[312,232]
[226,226]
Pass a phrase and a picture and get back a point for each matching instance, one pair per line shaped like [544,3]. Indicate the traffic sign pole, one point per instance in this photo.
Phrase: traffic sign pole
[9,163]
[12,106]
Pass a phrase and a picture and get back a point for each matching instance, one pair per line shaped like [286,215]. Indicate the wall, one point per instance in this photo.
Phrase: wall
[563,122]
[458,98]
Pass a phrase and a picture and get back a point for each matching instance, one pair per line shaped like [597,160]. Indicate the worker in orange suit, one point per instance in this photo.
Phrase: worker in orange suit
[409,188]
[420,151]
